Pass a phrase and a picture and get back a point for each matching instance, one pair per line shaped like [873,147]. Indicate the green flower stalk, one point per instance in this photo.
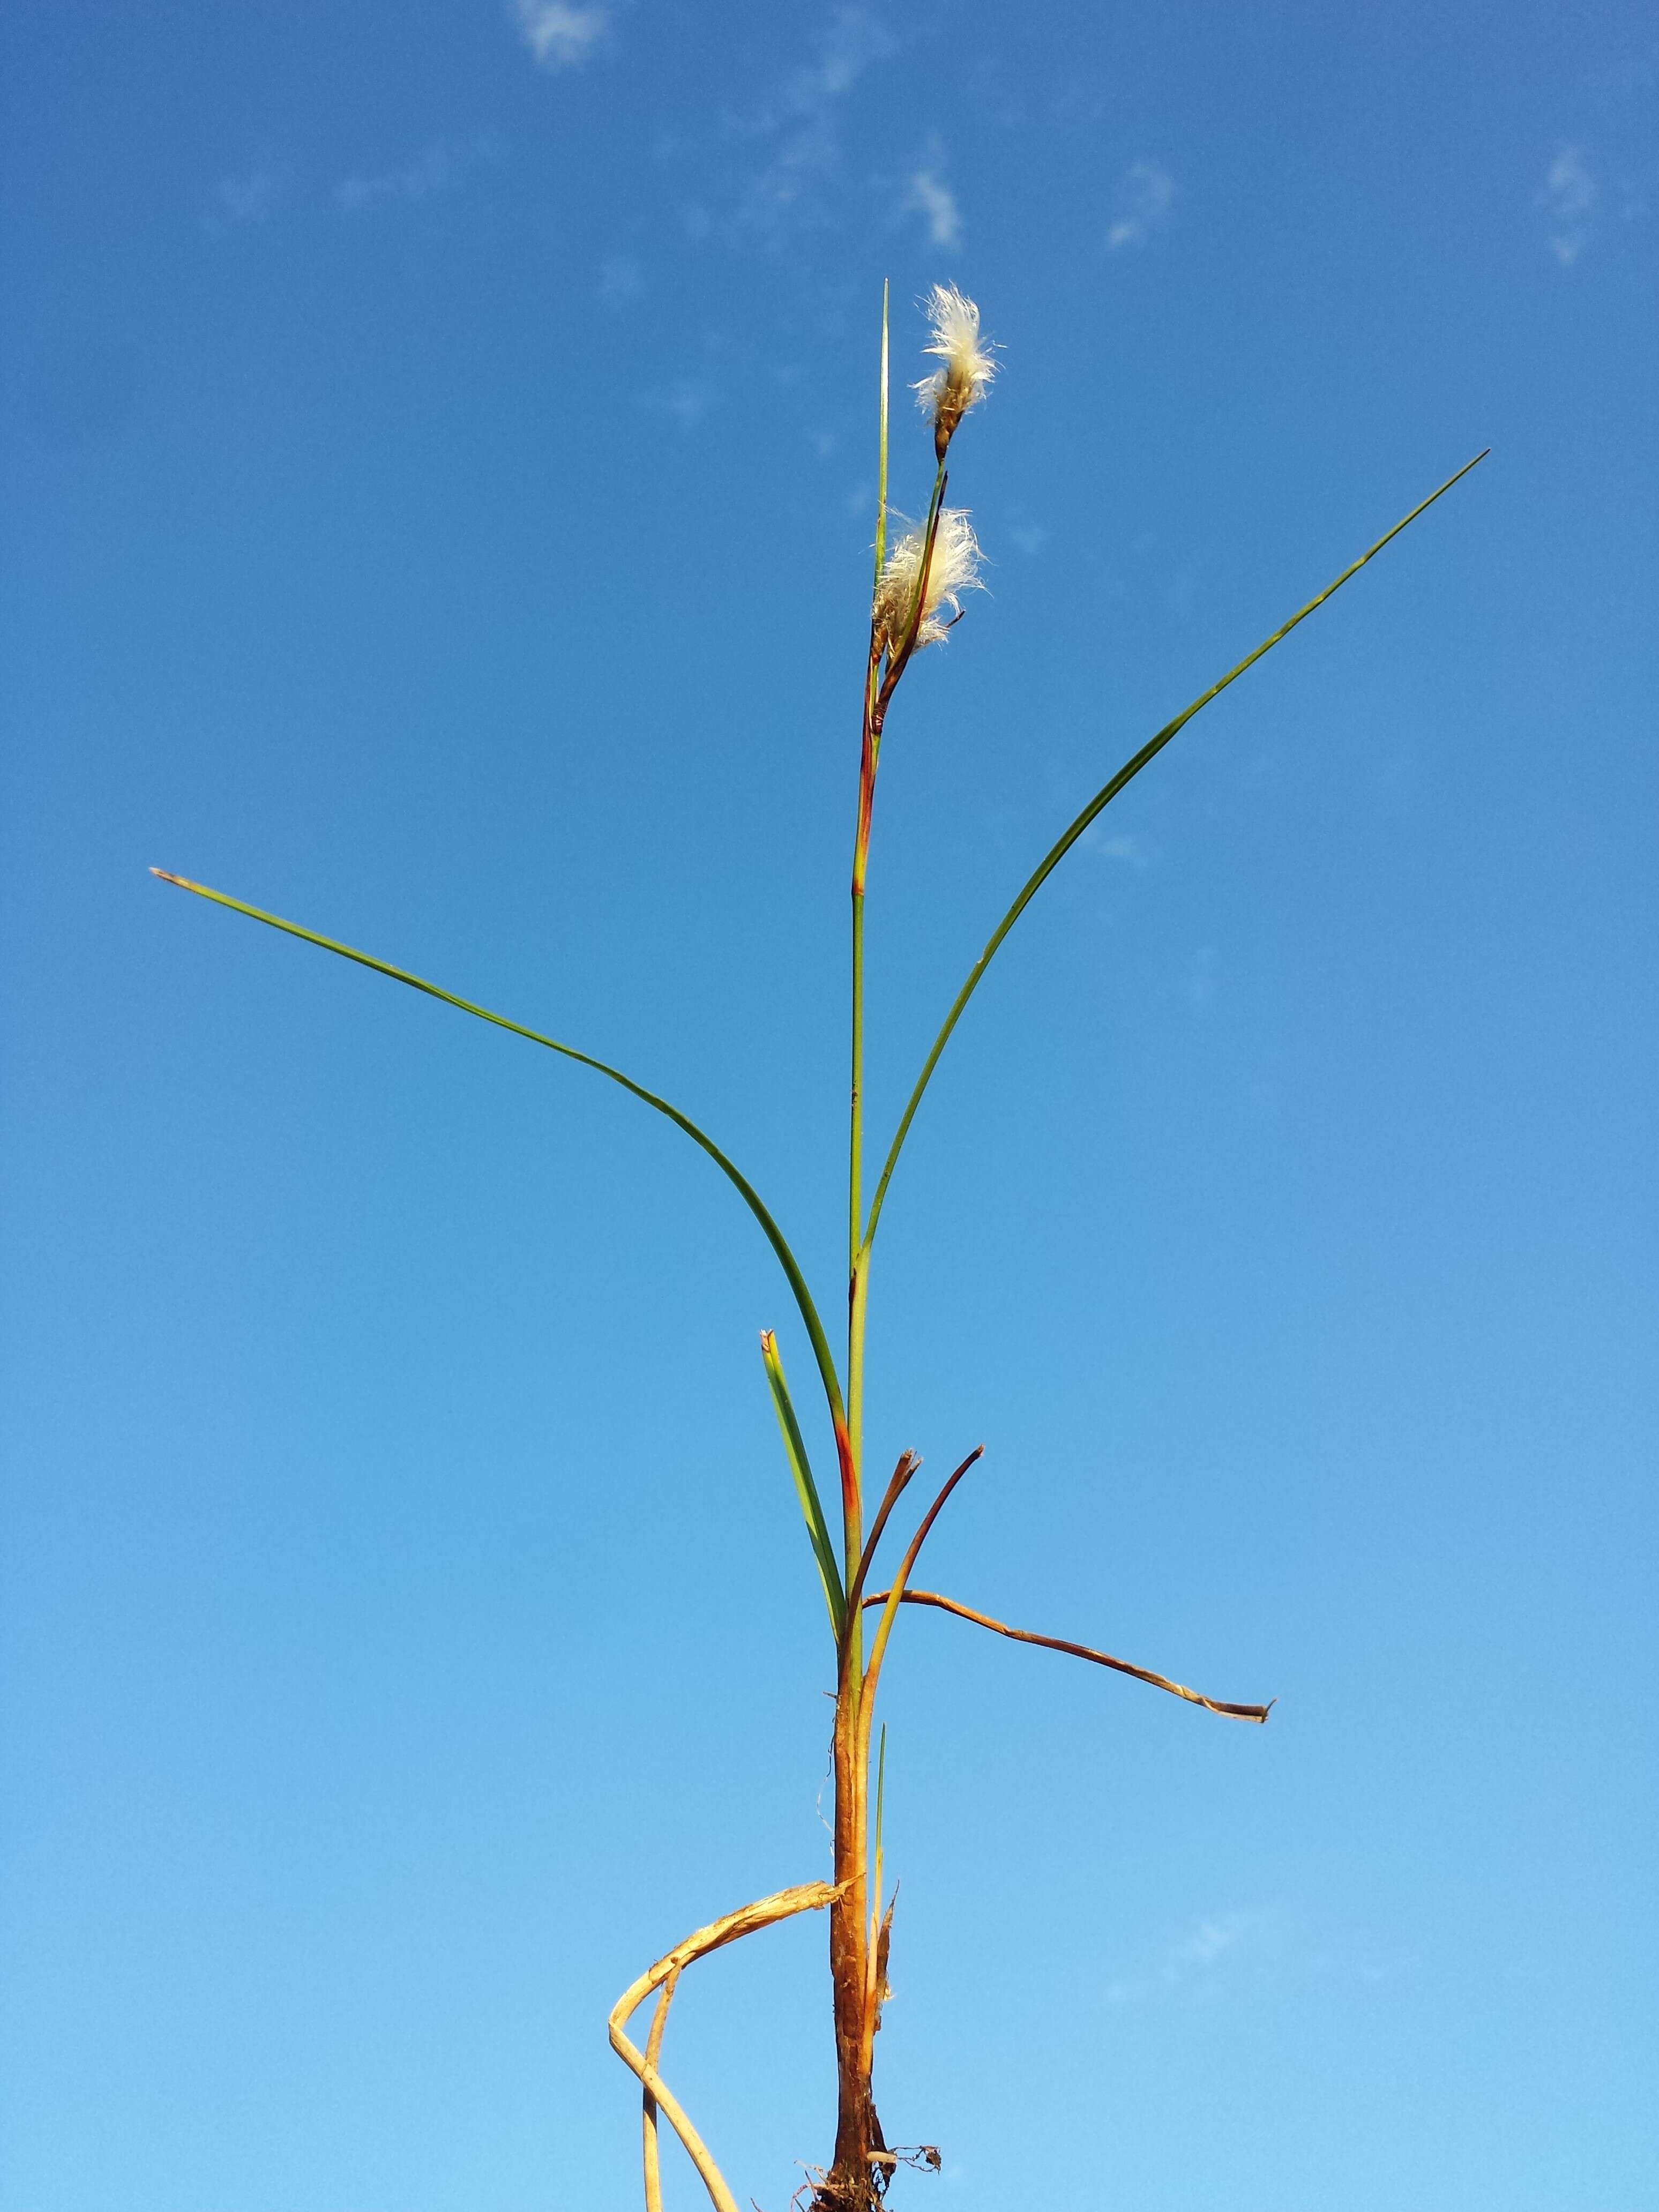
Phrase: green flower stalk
[920,583]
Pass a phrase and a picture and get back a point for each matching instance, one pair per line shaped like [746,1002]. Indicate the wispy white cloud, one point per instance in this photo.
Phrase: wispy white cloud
[560,34]
[1187,1957]
[621,281]
[687,401]
[1570,201]
[249,196]
[800,118]
[1272,1943]
[1128,848]
[1207,1941]
[1200,985]
[849,42]
[1145,195]
[439,168]
[932,198]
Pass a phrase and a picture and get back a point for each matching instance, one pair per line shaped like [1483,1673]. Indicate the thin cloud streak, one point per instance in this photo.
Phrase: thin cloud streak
[440,168]
[930,199]
[249,196]
[1265,1945]
[560,33]
[801,117]
[1144,197]
[1568,200]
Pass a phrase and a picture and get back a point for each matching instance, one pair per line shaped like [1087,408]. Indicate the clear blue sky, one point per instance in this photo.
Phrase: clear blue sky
[438,469]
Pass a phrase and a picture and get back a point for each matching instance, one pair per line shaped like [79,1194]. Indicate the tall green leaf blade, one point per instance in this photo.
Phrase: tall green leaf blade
[1108,792]
[745,1190]
[806,1489]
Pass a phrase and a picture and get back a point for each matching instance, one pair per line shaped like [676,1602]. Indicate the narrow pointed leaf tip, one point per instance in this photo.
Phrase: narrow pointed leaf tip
[906,1596]
[1102,798]
[881,454]
[806,1489]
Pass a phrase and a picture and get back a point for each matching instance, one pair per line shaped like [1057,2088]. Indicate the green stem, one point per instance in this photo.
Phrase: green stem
[855,1129]
[853,1469]
[870,740]
[878,689]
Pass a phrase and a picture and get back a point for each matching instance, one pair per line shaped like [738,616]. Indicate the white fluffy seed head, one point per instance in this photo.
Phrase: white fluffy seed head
[966,370]
[953,569]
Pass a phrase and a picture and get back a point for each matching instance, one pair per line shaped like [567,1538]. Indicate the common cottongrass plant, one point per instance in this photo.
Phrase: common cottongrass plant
[921,580]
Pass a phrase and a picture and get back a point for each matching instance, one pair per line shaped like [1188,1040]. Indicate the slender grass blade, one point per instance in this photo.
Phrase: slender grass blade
[1108,792]
[750,1197]
[806,1489]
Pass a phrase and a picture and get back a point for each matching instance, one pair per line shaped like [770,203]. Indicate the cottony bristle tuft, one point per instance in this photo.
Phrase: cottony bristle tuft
[965,376]
[953,569]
